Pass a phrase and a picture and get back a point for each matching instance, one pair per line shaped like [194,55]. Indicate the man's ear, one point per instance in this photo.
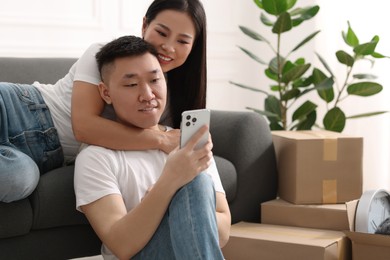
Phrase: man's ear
[144,27]
[105,92]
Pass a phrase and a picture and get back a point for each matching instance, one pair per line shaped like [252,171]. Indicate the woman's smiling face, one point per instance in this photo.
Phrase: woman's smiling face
[173,34]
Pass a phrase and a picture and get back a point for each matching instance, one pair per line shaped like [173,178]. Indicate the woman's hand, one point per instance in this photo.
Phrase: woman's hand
[170,140]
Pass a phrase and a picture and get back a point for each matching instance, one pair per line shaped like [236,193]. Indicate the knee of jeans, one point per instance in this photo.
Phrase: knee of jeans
[19,174]
[203,184]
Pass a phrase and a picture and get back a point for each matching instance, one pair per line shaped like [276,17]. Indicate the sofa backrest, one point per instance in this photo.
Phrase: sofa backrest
[28,70]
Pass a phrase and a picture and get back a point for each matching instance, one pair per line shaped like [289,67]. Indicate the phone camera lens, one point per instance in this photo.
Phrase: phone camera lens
[188,124]
[188,117]
[194,119]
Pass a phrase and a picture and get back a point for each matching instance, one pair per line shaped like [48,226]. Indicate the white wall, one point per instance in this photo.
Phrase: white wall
[66,28]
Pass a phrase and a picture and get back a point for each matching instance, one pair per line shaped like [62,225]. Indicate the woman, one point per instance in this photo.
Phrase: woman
[177,30]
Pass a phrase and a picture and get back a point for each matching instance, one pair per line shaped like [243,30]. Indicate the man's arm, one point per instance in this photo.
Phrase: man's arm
[125,234]
[223,218]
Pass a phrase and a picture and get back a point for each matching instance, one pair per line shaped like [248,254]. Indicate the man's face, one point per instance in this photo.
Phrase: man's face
[136,88]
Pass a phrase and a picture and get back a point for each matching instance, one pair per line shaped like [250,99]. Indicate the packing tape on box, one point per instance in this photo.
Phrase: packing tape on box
[329,191]
[330,149]
[329,145]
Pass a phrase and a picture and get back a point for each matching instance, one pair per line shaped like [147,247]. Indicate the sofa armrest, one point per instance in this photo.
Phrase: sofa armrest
[244,139]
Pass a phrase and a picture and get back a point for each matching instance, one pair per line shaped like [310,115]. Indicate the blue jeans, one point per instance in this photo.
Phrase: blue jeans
[189,228]
[29,144]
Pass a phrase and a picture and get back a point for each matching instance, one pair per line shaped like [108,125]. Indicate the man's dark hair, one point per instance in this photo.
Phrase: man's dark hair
[125,46]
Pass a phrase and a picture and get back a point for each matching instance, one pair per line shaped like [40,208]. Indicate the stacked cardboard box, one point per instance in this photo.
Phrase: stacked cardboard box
[253,241]
[318,167]
[320,172]
[325,216]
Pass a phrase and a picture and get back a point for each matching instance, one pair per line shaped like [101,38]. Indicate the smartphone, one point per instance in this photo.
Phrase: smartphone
[191,121]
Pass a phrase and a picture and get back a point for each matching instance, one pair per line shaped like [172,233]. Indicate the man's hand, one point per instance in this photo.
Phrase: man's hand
[184,164]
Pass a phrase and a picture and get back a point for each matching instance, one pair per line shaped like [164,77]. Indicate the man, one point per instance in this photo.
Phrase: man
[147,204]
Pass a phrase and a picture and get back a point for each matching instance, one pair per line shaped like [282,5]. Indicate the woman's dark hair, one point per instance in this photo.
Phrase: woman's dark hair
[187,83]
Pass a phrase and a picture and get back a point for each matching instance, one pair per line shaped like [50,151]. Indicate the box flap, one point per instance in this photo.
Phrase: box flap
[369,239]
[351,212]
[286,234]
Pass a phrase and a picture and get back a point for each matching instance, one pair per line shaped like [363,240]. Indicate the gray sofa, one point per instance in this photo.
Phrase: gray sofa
[46,224]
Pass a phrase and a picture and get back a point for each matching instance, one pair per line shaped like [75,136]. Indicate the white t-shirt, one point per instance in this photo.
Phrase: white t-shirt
[100,172]
[58,97]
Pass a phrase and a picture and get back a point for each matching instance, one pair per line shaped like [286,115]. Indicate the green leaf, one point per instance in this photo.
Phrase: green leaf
[305,14]
[254,35]
[259,3]
[308,122]
[323,85]
[282,24]
[275,126]
[345,58]
[325,64]
[334,120]
[270,74]
[272,105]
[364,76]
[291,3]
[275,88]
[350,37]
[305,109]
[253,56]
[300,61]
[303,82]
[367,114]
[378,55]
[249,88]
[273,64]
[295,73]
[307,39]
[367,48]
[265,20]
[325,90]
[291,94]
[364,89]
[275,7]
[288,65]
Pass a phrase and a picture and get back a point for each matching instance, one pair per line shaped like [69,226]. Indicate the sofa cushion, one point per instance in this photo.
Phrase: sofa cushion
[15,218]
[54,202]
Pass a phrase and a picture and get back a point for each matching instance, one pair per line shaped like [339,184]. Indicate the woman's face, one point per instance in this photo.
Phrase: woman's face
[172,33]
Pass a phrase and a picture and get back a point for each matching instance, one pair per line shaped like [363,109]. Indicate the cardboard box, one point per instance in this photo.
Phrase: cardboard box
[318,167]
[366,246]
[325,216]
[369,246]
[261,241]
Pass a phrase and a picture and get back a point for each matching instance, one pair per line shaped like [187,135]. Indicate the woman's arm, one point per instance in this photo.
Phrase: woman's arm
[89,127]
[223,218]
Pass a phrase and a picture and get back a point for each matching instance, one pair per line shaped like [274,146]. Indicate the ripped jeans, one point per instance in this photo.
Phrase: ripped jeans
[29,144]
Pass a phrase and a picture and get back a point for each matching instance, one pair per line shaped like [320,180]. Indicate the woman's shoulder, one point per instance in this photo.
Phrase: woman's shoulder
[95,47]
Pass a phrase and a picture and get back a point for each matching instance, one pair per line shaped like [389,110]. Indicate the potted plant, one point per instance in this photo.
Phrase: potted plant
[294,79]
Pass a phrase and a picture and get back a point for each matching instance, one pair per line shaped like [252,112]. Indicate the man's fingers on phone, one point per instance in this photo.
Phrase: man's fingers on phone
[197,136]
